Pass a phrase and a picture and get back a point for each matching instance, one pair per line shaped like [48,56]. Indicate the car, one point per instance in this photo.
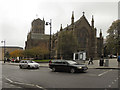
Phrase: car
[28,64]
[67,65]
[112,56]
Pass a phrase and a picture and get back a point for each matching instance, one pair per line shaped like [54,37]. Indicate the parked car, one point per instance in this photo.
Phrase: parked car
[28,64]
[67,65]
[112,56]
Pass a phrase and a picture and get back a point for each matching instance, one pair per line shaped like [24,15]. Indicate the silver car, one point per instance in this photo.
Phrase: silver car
[28,64]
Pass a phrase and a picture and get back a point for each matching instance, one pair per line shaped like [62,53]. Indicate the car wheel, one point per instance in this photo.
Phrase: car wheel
[72,70]
[28,66]
[53,69]
[20,67]
[37,68]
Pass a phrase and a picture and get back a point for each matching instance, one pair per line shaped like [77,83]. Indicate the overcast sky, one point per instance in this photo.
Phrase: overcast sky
[16,16]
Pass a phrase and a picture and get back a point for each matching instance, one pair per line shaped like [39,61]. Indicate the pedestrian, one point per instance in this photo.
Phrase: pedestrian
[101,61]
[118,59]
[50,61]
[90,61]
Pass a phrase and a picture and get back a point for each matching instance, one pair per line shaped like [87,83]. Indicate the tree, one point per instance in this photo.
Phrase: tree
[39,52]
[67,44]
[113,39]
[16,53]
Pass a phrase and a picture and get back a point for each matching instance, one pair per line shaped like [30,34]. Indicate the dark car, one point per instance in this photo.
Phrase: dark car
[67,65]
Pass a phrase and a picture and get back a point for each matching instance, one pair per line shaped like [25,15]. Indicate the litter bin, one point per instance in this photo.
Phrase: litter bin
[106,63]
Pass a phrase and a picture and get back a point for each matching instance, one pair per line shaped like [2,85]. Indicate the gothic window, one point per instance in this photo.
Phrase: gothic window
[82,38]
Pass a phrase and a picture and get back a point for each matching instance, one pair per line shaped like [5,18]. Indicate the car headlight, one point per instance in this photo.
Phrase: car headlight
[79,67]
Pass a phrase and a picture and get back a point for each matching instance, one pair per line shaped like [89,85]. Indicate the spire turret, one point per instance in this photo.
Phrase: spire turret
[72,18]
[83,13]
[92,22]
[61,28]
[100,33]
[43,19]
[67,27]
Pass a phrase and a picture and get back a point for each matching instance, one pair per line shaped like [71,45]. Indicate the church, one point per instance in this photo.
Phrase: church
[83,30]
[86,37]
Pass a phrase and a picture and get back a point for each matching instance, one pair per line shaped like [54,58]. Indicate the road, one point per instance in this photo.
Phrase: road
[43,78]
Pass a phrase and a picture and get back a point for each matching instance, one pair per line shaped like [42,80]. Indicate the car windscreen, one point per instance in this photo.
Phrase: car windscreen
[72,62]
[31,61]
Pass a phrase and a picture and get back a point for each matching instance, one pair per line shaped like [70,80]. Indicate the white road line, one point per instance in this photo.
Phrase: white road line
[112,82]
[39,86]
[9,80]
[109,86]
[24,83]
[104,72]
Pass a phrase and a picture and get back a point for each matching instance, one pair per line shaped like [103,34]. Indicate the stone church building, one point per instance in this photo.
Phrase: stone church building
[86,36]
[83,30]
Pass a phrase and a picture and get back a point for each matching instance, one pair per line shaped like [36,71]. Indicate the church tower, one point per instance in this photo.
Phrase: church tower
[38,26]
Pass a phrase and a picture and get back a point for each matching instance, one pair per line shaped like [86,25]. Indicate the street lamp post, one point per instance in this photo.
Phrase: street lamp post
[4,48]
[50,23]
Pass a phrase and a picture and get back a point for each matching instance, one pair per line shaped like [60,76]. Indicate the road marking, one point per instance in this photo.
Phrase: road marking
[104,72]
[109,86]
[24,84]
[112,82]
[39,87]
[9,80]
[13,86]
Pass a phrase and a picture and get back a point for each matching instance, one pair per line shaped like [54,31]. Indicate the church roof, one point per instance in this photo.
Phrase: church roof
[83,18]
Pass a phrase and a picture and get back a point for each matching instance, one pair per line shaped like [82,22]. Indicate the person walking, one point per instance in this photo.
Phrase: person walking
[90,61]
[118,59]
[101,61]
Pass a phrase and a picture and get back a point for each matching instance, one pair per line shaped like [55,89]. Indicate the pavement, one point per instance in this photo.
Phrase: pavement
[111,64]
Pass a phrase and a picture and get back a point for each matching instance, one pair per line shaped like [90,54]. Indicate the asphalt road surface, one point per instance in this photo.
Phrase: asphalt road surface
[43,78]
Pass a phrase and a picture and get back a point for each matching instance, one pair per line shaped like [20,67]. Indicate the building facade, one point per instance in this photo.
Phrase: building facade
[8,49]
[86,36]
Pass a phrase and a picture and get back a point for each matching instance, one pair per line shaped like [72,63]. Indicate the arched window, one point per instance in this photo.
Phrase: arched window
[82,35]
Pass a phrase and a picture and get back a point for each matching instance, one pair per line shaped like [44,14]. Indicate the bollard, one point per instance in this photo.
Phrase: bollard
[106,63]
